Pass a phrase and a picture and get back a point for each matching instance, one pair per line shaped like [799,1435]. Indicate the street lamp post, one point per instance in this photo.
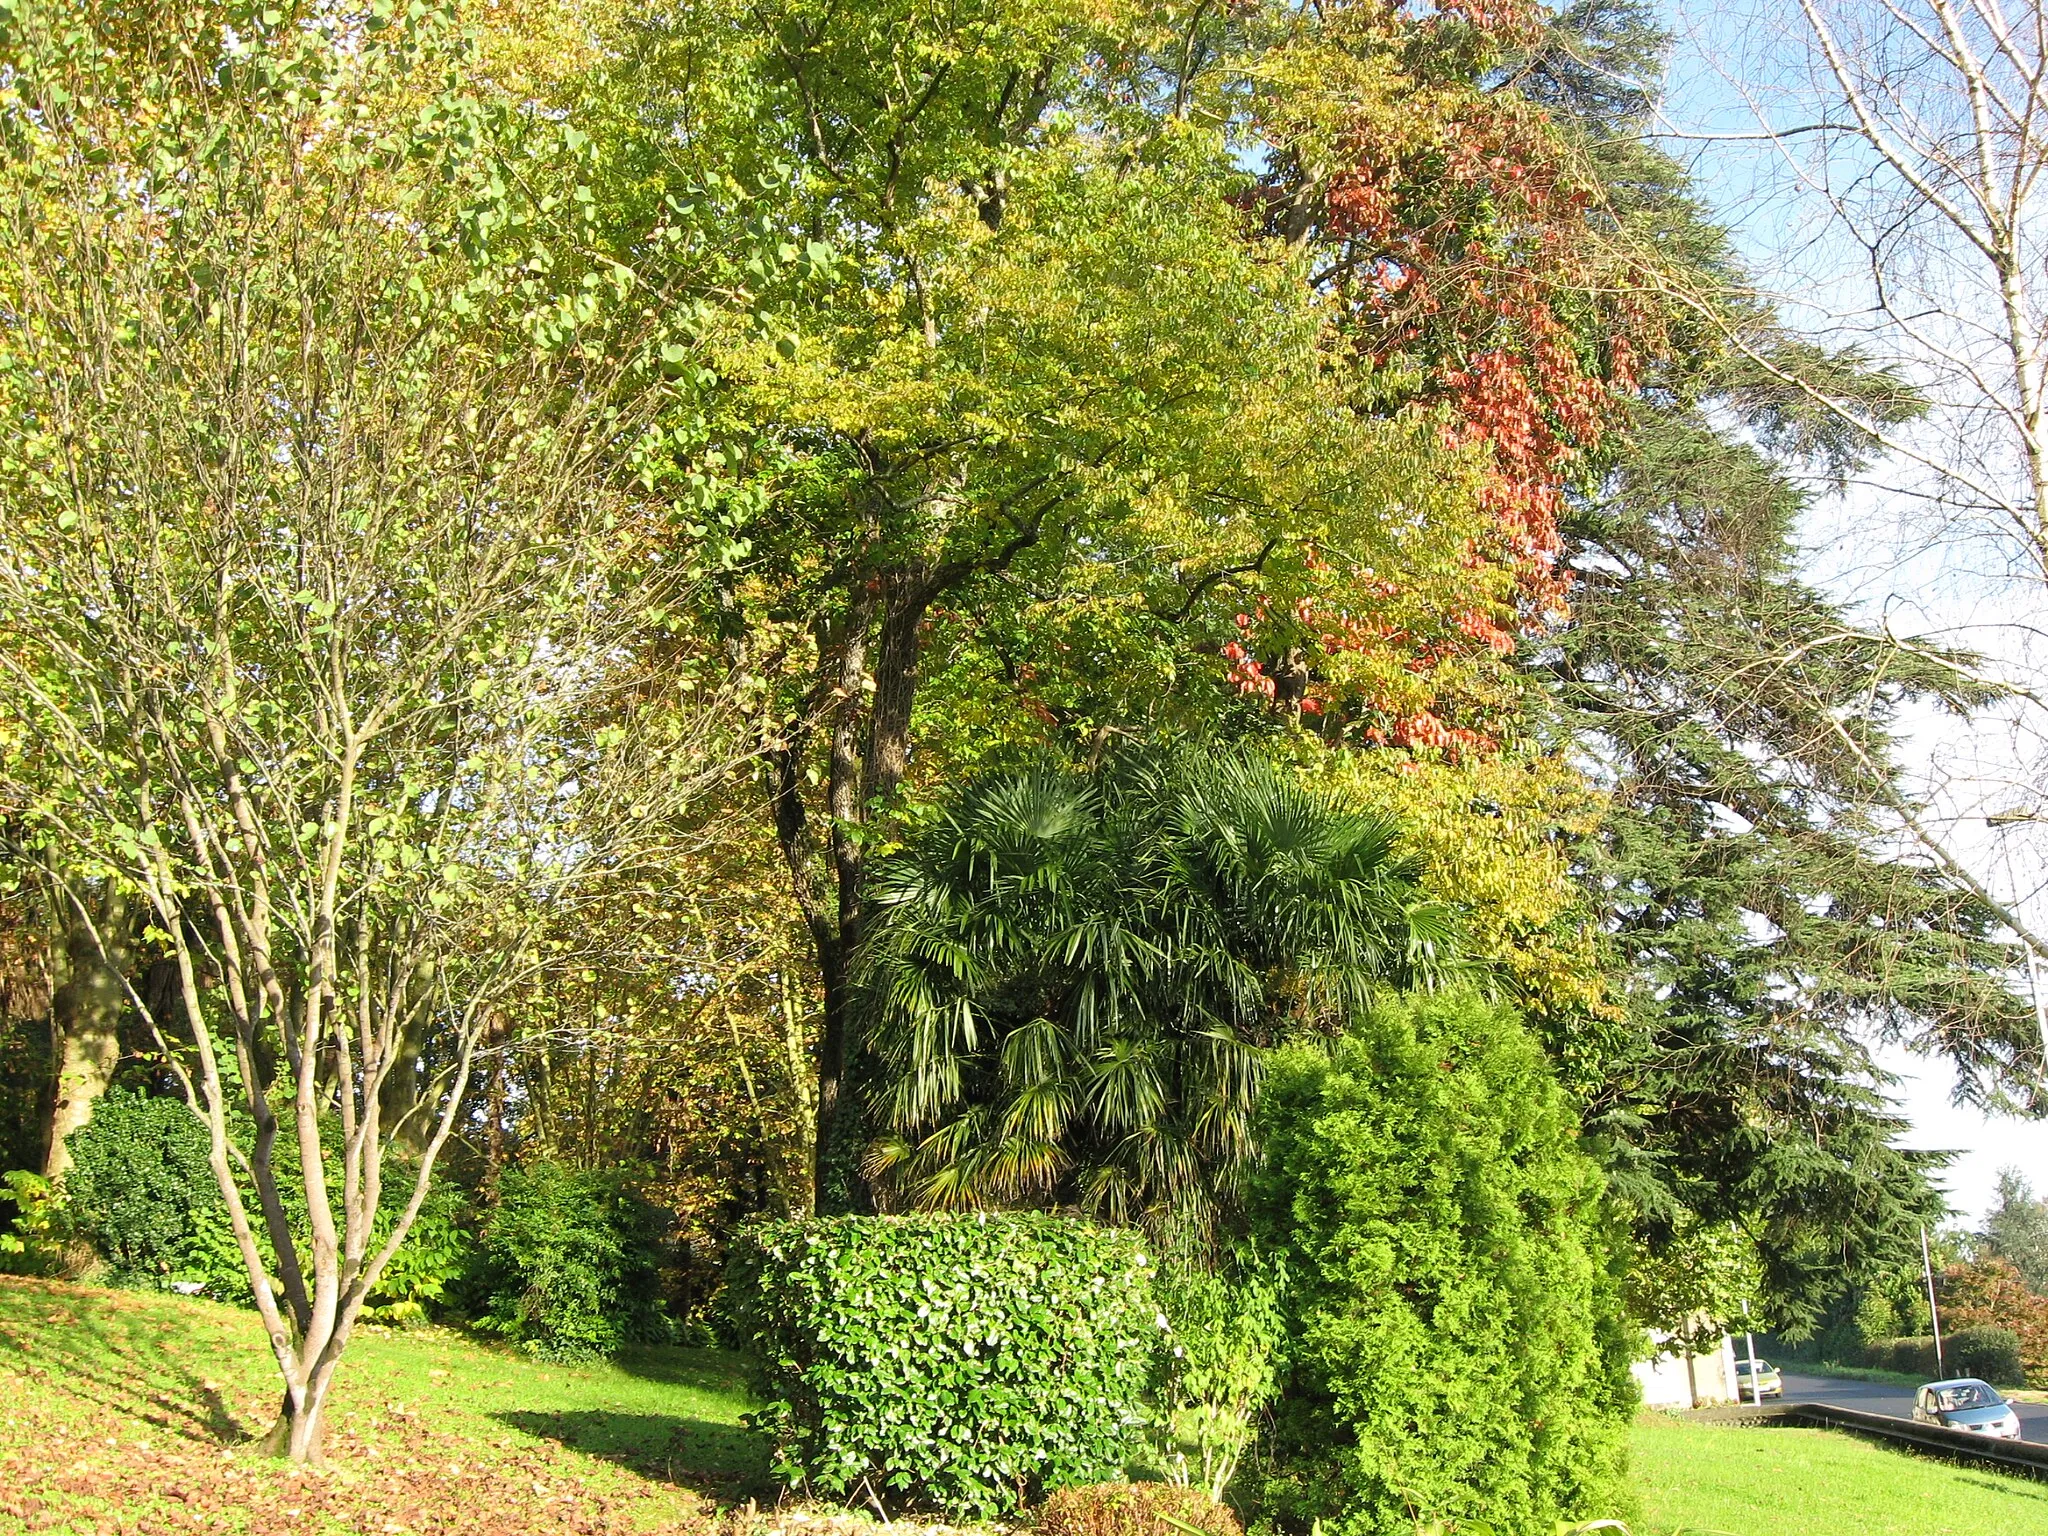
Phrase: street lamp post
[1933,1312]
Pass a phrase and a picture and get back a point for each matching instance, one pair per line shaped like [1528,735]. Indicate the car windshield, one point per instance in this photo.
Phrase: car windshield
[1951,1399]
[1742,1367]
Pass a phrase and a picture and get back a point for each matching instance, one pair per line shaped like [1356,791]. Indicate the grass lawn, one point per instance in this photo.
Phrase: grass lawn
[1702,1478]
[122,1411]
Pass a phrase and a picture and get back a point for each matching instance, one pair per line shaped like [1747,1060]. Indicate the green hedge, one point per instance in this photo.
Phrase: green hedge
[1456,1353]
[1990,1354]
[967,1363]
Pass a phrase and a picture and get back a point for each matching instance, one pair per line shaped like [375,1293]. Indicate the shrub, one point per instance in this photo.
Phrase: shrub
[1221,1365]
[1990,1354]
[1456,1352]
[962,1362]
[1877,1320]
[438,1253]
[139,1190]
[39,1240]
[1135,1509]
[1991,1293]
[141,1193]
[1913,1356]
[571,1263]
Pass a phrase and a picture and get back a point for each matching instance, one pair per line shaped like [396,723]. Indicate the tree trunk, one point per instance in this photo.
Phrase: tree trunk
[86,1013]
[300,1431]
[870,713]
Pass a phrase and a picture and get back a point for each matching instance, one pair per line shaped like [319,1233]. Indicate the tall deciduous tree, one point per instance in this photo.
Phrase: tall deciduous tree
[1037,361]
[2017,1229]
[325,550]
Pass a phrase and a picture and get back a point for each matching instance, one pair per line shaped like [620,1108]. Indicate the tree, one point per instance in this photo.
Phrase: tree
[2017,1229]
[1990,1293]
[1692,1290]
[1743,732]
[328,546]
[1033,374]
[1912,132]
[1073,979]
[1455,1350]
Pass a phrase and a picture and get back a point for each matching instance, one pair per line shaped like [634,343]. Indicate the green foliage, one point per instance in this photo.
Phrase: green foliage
[2017,1229]
[1990,1354]
[1696,1284]
[967,1363]
[141,1192]
[438,1253]
[571,1263]
[1912,1355]
[1876,1318]
[1070,976]
[1456,1352]
[35,1240]
[1224,1351]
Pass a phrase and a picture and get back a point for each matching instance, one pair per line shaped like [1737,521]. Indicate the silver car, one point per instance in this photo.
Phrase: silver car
[1966,1404]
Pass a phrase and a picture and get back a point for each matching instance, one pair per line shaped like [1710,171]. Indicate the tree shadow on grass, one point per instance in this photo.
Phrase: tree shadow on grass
[708,1370]
[110,1351]
[723,1461]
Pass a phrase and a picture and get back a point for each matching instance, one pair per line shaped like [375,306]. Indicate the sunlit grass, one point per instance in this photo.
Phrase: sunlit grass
[1727,1480]
[125,1403]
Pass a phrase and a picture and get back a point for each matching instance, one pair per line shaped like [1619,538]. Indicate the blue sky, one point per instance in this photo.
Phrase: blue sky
[1728,61]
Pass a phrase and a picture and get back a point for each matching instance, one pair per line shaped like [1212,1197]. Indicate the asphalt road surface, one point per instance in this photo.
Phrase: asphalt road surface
[1884,1397]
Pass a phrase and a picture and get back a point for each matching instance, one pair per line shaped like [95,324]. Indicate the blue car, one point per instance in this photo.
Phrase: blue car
[1969,1405]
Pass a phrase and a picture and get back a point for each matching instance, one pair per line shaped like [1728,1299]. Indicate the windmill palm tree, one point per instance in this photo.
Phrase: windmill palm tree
[1075,976]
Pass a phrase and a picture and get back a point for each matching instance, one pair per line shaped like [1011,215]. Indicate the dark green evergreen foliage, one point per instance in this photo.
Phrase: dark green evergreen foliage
[1457,1353]
[1071,975]
[570,1263]
[967,1363]
[1750,870]
[141,1193]
[1595,62]
[2017,1230]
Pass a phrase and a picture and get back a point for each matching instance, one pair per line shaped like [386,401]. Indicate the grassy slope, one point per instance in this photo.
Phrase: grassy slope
[127,1407]
[126,1412]
[1698,1478]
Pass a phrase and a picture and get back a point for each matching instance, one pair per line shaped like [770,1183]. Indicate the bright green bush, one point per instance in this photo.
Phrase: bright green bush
[571,1263]
[438,1254]
[1456,1355]
[36,1239]
[967,1363]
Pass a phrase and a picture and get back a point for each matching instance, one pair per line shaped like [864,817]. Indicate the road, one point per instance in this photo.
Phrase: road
[1884,1397]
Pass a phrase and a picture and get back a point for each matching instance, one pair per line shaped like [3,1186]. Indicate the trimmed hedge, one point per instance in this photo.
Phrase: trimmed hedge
[964,1362]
